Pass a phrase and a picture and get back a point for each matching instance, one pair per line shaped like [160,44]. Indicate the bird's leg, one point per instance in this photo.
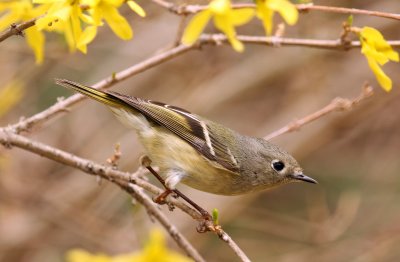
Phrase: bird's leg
[146,161]
[203,212]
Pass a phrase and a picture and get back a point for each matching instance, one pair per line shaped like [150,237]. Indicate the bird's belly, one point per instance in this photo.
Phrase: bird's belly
[169,152]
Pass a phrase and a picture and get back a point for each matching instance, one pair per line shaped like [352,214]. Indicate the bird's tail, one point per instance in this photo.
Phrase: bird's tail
[93,93]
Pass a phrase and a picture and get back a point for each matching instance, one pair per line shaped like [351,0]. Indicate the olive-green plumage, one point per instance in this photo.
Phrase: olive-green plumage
[198,152]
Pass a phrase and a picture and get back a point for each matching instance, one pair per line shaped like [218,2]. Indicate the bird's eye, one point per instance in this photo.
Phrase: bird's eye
[278,165]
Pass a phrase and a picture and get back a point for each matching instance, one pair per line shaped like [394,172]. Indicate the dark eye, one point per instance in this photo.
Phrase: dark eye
[278,165]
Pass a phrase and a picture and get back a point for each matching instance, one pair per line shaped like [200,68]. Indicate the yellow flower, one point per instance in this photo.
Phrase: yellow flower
[64,15]
[20,11]
[107,10]
[378,52]
[267,8]
[154,250]
[225,19]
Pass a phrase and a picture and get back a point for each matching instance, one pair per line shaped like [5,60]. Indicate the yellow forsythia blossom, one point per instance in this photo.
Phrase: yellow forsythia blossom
[378,52]
[20,11]
[154,250]
[76,19]
[67,15]
[107,10]
[267,8]
[225,19]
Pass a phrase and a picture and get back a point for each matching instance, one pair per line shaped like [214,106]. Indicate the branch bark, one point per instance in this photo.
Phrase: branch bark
[338,44]
[214,39]
[17,29]
[9,138]
[337,104]
[63,104]
[192,9]
[129,182]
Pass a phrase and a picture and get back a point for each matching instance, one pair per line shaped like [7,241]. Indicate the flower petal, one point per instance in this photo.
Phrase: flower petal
[35,40]
[220,6]
[229,30]
[195,27]
[76,22]
[266,15]
[117,22]
[69,36]
[86,37]
[286,9]
[372,53]
[241,16]
[377,42]
[381,77]
[136,8]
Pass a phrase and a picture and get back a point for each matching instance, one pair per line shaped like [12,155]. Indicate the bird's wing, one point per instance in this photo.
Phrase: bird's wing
[182,123]
[187,126]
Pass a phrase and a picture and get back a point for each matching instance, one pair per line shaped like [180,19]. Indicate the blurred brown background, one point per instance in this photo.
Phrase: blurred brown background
[353,213]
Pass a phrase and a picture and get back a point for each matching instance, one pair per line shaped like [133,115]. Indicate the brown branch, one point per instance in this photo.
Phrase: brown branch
[232,244]
[348,11]
[192,9]
[218,39]
[8,138]
[17,29]
[129,182]
[212,39]
[62,105]
[124,180]
[153,211]
[337,104]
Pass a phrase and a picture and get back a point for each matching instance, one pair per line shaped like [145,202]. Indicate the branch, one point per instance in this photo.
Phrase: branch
[8,138]
[218,39]
[348,11]
[192,9]
[153,211]
[129,182]
[62,105]
[17,29]
[124,180]
[337,104]
[212,39]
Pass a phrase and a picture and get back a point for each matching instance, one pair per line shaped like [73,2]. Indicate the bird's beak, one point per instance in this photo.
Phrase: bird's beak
[302,177]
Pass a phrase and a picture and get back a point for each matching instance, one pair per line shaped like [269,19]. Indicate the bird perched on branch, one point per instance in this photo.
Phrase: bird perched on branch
[195,151]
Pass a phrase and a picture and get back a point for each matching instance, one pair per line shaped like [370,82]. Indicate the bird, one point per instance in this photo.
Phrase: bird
[192,150]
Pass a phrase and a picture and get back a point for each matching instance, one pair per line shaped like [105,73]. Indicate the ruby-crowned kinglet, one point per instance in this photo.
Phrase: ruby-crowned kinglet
[198,152]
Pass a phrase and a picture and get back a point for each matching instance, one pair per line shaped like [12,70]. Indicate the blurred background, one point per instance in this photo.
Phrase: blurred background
[351,215]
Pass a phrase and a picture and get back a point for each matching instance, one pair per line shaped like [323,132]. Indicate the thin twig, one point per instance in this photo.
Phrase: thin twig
[181,29]
[214,39]
[116,156]
[348,11]
[238,251]
[337,104]
[192,9]
[17,29]
[8,139]
[217,39]
[153,211]
[62,105]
